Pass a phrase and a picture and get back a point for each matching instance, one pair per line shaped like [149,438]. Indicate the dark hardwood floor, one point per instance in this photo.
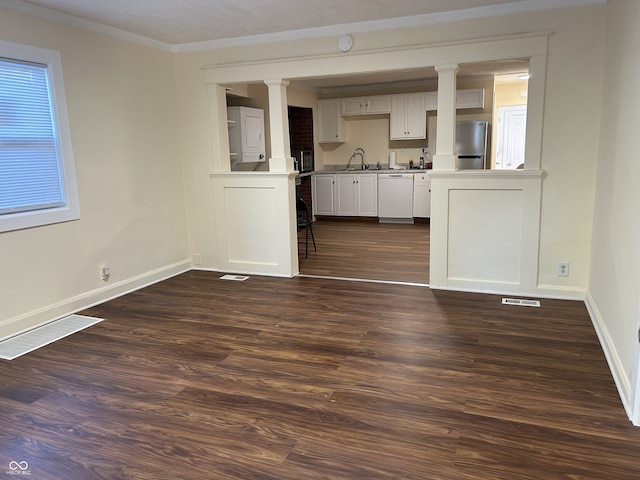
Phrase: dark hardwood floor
[366,249]
[309,378]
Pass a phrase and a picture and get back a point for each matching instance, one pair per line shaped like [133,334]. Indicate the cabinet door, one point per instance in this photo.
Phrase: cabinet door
[408,117]
[252,135]
[330,122]
[323,195]
[416,116]
[367,195]
[352,106]
[377,104]
[398,117]
[471,98]
[422,196]
[346,186]
[431,101]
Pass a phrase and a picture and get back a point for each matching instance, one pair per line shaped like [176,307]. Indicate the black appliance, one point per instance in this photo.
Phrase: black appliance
[303,161]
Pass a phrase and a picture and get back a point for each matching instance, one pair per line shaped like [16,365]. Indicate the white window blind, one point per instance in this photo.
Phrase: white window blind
[30,169]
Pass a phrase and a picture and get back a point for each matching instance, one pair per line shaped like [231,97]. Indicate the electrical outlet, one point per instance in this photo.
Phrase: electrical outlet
[563,269]
[105,273]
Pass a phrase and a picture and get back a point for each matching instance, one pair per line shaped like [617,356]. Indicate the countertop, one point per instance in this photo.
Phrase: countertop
[373,170]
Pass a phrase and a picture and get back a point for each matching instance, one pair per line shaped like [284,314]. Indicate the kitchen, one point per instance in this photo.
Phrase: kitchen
[345,196]
[479,88]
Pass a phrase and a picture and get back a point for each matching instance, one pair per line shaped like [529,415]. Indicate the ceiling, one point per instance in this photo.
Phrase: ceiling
[182,25]
[185,22]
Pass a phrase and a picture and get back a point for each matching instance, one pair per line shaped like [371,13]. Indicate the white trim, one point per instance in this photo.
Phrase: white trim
[486,174]
[556,293]
[71,209]
[611,354]
[29,320]
[635,375]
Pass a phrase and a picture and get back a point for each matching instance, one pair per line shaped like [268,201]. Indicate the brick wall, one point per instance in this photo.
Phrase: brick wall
[300,129]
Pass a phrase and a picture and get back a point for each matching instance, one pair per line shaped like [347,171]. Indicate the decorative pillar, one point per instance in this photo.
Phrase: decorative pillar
[219,130]
[280,160]
[445,156]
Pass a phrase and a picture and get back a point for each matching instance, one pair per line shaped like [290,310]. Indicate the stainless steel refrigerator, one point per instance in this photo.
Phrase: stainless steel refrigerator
[471,144]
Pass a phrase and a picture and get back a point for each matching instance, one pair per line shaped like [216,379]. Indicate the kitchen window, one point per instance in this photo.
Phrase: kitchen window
[37,175]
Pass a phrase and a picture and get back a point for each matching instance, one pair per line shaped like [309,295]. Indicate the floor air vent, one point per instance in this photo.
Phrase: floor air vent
[521,302]
[237,278]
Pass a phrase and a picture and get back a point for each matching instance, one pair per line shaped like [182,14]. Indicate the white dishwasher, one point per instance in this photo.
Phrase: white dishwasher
[395,197]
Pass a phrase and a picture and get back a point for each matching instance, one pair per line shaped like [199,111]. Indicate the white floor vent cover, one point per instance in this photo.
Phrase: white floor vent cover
[39,337]
[520,301]
[237,278]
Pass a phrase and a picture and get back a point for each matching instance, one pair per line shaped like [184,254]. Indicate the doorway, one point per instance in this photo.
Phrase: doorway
[363,248]
[512,125]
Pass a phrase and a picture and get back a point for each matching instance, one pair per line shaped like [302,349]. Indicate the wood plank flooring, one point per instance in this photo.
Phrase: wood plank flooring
[308,378]
[364,248]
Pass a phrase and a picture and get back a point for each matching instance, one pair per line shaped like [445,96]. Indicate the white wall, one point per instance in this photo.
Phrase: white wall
[570,121]
[614,281]
[123,119]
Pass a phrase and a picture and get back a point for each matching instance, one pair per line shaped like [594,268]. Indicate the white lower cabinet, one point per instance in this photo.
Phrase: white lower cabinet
[357,194]
[353,194]
[421,195]
[323,194]
[367,195]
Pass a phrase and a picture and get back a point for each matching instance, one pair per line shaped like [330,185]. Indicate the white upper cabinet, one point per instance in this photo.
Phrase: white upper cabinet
[431,101]
[470,98]
[408,117]
[375,104]
[352,106]
[330,121]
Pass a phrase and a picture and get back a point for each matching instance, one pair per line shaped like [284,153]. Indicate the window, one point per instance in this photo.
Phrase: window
[37,177]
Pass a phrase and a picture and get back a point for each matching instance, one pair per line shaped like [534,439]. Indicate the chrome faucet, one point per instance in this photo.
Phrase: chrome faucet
[356,152]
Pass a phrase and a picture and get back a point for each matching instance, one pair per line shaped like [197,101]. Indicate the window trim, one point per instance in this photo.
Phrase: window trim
[71,210]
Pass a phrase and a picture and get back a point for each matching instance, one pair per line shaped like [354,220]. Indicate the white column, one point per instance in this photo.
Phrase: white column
[445,156]
[280,160]
[535,112]
[220,161]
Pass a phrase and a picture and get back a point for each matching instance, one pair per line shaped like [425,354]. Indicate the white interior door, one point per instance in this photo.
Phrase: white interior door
[512,125]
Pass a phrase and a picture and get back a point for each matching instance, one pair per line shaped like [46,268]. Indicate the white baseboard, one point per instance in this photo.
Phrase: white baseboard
[543,292]
[613,359]
[29,320]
